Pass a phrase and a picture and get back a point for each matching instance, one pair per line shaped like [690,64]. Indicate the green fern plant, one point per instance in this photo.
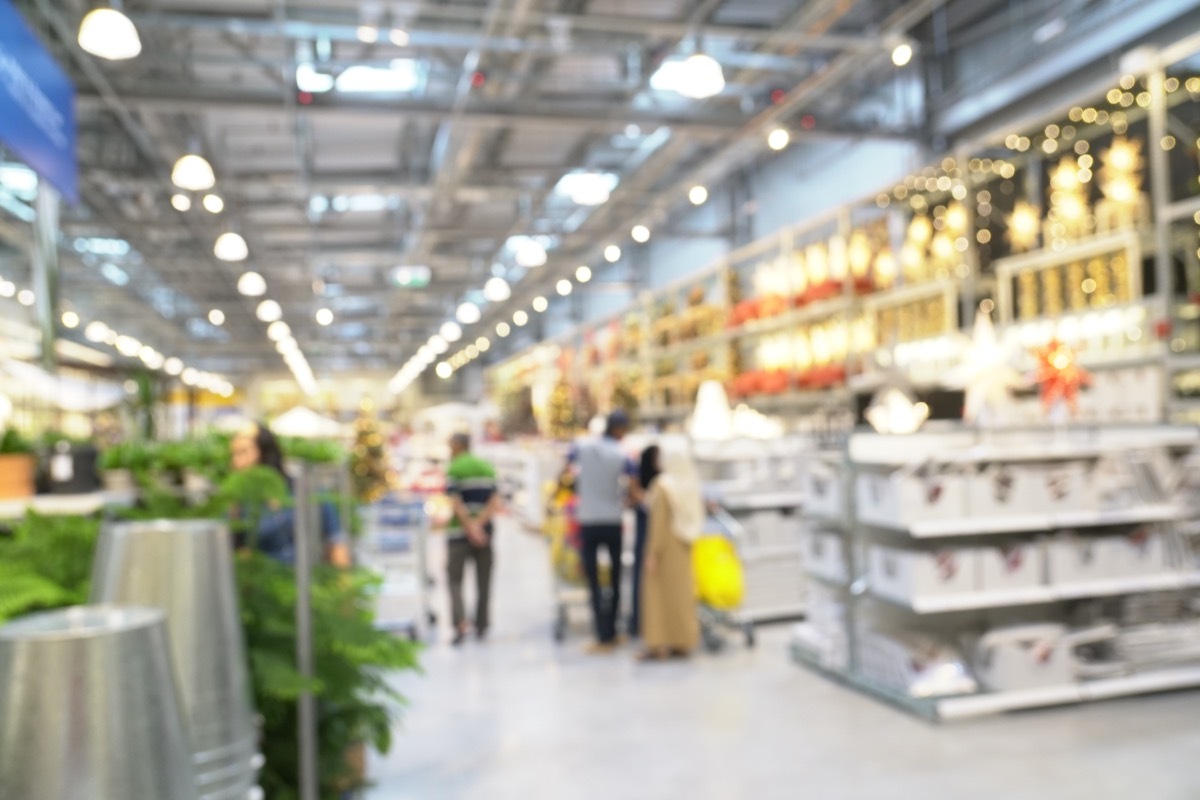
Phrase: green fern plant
[46,563]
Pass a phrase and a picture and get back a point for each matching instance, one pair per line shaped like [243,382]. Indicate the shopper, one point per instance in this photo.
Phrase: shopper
[647,471]
[471,486]
[256,446]
[605,485]
[670,626]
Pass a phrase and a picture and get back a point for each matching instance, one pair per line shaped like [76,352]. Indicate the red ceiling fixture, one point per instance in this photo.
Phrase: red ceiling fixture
[304,98]
[777,96]
[808,122]
[478,79]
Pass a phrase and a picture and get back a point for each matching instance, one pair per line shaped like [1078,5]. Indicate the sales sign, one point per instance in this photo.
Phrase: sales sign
[37,105]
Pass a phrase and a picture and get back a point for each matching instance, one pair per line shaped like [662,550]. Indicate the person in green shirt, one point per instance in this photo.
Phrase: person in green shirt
[471,487]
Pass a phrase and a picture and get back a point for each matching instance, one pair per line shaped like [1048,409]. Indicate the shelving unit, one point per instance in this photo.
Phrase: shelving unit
[64,504]
[945,599]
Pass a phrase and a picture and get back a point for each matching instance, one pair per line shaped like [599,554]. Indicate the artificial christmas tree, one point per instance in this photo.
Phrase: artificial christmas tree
[368,460]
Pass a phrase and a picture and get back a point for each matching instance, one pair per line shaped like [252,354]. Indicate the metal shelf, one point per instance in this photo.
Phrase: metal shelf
[1020,523]
[64,504]
[766,500]
[1037,595]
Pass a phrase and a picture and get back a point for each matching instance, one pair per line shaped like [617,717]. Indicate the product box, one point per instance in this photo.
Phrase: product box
[825,555]
[901,497]
[1005,490]
[1074,559]
[911,575]
[1012,566]
[1142,552]
[823,492]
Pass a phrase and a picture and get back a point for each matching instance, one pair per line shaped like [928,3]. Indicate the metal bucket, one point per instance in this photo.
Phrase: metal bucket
[185,567]
[89,710]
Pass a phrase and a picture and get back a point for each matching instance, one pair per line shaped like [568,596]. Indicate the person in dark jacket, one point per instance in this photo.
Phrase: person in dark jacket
[648,470]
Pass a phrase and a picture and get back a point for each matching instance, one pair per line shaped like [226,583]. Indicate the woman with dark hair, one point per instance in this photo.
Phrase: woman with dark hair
[648,470]
[257,446]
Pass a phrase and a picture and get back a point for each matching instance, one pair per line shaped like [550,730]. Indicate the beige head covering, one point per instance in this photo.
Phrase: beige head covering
[680,484]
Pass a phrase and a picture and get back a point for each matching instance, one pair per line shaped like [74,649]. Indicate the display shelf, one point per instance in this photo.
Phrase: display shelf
[1037,595]
[64,504]
[770,551]
[1028,451]
[1021,523]
[763,501]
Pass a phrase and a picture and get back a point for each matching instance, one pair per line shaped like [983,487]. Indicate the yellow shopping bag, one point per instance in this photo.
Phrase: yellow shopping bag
[719,579]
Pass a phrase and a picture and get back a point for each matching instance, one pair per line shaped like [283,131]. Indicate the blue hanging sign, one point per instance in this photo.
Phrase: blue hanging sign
[37,105]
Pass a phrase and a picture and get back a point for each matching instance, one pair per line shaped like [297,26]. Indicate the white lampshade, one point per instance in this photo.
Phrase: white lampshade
[497,290]
[468,313]
[231,247]
[109,34]
[268,311]
[194,173]
[251,284]
[713,418]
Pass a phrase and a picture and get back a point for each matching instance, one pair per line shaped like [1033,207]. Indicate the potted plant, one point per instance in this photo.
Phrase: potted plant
[120,463]
[18,466]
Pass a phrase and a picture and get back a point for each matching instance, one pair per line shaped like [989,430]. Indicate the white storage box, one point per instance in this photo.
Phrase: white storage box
[1074,559]
[907,576]
[825,555]
[1142,552]
[1004,490]
[901,497]
[1012,566]
[823,492]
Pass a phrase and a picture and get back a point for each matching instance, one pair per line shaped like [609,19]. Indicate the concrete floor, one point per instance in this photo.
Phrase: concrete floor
[520,717]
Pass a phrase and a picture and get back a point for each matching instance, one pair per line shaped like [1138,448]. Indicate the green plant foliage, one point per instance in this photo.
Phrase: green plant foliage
[13,443]
[46,563]
[312,451]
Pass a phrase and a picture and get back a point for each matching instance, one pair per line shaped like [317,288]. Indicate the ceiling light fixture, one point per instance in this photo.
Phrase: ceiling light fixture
[173,366]
[612,254]
[444,371]
[902,54]
[26,297]
[698,195]
[451,332]
[398,37]
[468,313]
[520,319]
[696,77]
[213,203]
[438,345]
[587,188]
[324,317]
[502,330]
[217,317]
[583,274]
[778,139]
[95,332]
[308,79]
[251,284]
[109,34]
[640,234]
[401,75]
[540,304]
[367,34]
[194,173]
[70,319]
[278,330]
[528,251]
[268,311]
[483,344]
[7,289]
[564,287]
[496,290]
[231,247]
[181,202]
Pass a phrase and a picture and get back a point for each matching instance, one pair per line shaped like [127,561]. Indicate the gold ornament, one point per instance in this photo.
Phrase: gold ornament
[1075,276]
[1027,294]
[1023,225]
[1101,286]
[1052,295]
[1122,278]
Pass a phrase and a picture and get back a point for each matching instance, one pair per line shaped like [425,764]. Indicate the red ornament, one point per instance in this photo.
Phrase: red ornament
[1060,376]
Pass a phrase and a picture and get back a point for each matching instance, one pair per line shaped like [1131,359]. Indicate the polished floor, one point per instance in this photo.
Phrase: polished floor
[521,718]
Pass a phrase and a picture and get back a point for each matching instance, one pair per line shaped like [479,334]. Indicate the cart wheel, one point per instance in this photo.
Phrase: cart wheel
[713,643]
[560,625]
[748,632]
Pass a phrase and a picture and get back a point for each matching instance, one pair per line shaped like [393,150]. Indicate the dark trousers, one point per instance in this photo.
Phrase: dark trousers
[462,551]
[639,555]
[604,608]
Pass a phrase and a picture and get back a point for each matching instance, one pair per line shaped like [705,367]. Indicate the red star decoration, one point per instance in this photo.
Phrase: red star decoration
[1059,375]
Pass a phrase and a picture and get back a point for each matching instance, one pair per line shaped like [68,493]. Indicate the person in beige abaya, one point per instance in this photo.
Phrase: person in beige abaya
[670,626]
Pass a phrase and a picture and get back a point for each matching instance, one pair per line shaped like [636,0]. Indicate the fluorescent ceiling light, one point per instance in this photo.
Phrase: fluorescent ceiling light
[217,316]
[114,274]
[564,287]
[404,75]
[612,254]
[778,139]
[698,195]
[640,234]
[587,188]
[496,290]
[308,79]
[444,370]
[231,247]
[528,251]
[367,34]
[109,34]
[95,332]
[7,288]
[181,202]
[173,366]
[438,345]
[411,277]
[483,344]
[540,304]
[324,317]
[251,284]
[213,203]
[128,346]
[398,37]
[26,297]
[193,173]
[268,311]
[451,332]
[101,246]
[468,313]
[696,77]
[503,330]
[278,330]
[520,318]
[70,319]
[902,54]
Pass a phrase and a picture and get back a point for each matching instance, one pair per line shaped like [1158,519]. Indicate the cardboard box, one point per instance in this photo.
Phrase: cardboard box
[825,555]
[823,491]
[1012,566]
[901,497]
[1142,552]
[910,575]
[1015,489]
[1072,559]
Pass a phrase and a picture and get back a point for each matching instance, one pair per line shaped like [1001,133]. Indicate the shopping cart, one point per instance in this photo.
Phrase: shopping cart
[569,585]
[394,546]
[714,619]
